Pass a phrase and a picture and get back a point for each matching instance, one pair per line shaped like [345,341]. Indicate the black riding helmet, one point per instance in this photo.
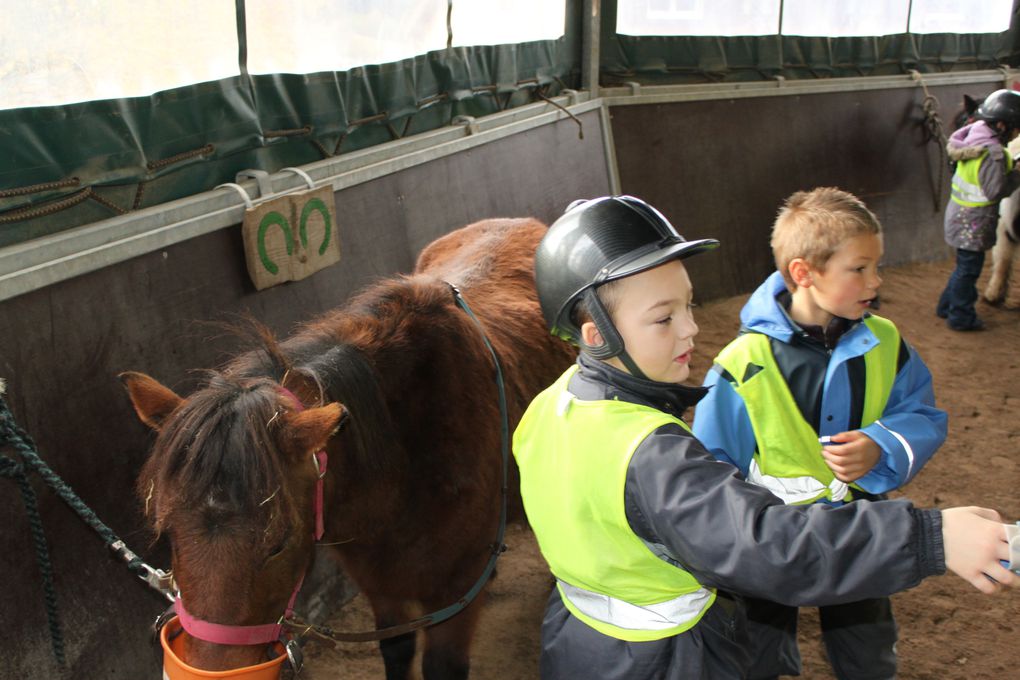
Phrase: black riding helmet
[595,242]
[1001,106]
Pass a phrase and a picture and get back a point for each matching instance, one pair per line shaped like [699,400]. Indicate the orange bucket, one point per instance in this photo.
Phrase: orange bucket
[175,669]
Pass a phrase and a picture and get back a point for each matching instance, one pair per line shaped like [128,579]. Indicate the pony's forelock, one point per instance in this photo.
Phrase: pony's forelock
[219,445]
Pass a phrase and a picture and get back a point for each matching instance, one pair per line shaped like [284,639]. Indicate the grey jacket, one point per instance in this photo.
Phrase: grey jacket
[699,514]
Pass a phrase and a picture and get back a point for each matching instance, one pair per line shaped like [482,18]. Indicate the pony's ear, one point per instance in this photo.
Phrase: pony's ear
[305,386]
[310,430]
[153,401]
[970,104]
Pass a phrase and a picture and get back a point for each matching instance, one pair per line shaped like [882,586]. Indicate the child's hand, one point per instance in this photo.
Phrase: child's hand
[975,541]
[851,455]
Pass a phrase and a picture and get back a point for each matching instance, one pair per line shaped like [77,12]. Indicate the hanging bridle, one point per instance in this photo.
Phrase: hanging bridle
[273,632]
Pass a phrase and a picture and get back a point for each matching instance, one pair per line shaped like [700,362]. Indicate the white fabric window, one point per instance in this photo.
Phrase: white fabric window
[59,52]
[838,18]
[697,17]
[499,22]
[829,18]
[55,52]
[337,35]
[960,16]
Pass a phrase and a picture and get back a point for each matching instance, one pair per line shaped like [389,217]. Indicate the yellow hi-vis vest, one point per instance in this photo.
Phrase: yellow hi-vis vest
[966,189]
[573,457]
[788,460]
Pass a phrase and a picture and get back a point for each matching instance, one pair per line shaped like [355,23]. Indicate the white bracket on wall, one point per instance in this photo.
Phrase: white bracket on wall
[265,184]
[260,176]
[468,122]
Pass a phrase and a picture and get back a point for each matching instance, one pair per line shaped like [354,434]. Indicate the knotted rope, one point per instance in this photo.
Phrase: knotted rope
[17,467]
[933,130]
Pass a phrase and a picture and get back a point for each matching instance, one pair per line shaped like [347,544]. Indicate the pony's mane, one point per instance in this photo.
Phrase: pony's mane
[218,447]
[345,375]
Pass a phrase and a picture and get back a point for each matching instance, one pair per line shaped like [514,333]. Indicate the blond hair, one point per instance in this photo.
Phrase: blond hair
[814,224]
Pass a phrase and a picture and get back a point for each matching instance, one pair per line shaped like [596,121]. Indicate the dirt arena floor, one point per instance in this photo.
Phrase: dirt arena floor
[948,630]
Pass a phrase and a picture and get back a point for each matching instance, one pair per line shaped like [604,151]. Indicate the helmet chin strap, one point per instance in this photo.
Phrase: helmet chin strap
[612,345]
[631,366]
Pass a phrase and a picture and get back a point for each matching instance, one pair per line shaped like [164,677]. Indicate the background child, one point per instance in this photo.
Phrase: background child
[643,529]
[811,361]
[984,176]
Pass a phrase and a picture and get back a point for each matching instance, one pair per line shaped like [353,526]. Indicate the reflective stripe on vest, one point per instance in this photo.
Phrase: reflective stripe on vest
[788,459]
[573,457]
[966,184]
[666,615]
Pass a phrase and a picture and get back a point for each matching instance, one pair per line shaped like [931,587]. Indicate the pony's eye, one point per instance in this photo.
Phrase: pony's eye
[277,549]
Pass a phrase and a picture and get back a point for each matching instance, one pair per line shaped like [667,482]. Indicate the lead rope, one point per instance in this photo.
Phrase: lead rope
[331,637]
[934,131]
[13,437]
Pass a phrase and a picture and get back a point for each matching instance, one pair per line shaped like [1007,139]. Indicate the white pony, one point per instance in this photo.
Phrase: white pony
[1007,240]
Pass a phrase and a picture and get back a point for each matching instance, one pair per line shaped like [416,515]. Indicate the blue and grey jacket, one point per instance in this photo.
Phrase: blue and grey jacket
[828,387]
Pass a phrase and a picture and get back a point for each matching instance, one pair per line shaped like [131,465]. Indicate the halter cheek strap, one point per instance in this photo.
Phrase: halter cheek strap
[263,634]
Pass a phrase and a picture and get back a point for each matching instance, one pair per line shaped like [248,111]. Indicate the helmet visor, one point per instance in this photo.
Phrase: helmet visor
[652,256]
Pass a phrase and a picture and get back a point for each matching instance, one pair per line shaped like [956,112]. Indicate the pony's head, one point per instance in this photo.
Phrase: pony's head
[231,481]
[967,113]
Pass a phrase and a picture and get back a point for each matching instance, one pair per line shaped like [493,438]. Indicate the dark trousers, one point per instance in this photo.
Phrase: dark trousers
[714,649]
[956,304]
[860,639]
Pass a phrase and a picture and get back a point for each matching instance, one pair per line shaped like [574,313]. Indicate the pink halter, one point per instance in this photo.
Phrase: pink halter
[270,632]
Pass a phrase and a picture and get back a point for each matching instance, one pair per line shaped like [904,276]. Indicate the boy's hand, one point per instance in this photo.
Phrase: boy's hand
[851,455]
[974,540]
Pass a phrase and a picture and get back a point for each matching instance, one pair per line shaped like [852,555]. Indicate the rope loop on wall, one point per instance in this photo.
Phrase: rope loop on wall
[933,131]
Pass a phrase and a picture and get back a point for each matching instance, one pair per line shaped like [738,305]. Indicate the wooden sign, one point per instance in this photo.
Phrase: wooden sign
[290,237]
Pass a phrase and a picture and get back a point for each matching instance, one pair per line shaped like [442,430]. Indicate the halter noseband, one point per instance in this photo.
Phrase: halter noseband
[270,632]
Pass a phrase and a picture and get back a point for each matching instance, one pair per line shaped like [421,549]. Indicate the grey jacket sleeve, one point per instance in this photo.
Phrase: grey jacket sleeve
[699,513]
[995,181]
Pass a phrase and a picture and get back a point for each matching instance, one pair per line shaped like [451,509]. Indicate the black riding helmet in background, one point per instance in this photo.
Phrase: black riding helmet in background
[595,242]
[1001,106]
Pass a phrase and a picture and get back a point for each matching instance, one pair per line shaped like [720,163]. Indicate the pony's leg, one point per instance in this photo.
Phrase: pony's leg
[1002,253]
[998,282]
[397,652]
[447,653]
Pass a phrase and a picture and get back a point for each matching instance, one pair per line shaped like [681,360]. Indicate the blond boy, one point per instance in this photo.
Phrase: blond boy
[821,402]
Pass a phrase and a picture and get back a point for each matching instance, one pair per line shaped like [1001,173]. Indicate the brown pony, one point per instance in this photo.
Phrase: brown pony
[399,388]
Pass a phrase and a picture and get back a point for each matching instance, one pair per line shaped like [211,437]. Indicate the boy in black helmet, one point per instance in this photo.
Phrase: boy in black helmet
[645,532]
[984,176]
